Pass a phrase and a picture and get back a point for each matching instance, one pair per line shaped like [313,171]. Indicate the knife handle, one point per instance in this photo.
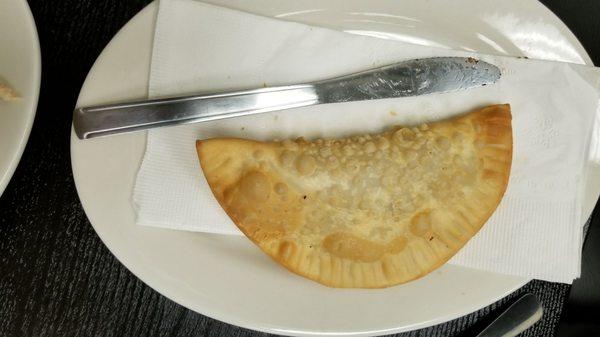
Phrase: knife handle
[521,315]
[102,120]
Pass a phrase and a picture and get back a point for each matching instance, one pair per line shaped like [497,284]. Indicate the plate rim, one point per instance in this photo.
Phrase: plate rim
[37,75]
[245,324]
[566,30]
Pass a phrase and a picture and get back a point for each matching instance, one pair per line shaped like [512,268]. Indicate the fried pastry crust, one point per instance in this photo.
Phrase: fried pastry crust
[367,211]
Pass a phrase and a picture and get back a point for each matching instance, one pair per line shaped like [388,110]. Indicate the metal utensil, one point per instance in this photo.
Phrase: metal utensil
[407,78]
[524,313]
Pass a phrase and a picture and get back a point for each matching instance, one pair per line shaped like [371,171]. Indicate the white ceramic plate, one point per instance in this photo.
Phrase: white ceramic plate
[20,67]
[226,277]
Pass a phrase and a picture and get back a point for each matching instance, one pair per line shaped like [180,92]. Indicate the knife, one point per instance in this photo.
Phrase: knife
[408,78]
[520,316]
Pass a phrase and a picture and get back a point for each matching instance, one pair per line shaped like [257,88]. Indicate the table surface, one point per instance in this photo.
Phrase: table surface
[56,276]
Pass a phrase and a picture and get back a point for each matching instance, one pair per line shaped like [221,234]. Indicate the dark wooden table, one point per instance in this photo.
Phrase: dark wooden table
[56,276]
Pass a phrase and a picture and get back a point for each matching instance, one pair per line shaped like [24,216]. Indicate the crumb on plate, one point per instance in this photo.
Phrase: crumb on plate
[7,93]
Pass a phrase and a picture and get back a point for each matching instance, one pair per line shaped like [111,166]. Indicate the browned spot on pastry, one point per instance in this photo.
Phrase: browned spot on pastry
[420,224]
[255,185]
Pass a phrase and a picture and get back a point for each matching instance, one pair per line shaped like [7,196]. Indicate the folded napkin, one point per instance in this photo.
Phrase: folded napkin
[536,231]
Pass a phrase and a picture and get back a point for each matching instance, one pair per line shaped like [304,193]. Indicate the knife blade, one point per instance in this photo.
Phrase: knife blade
[403,79]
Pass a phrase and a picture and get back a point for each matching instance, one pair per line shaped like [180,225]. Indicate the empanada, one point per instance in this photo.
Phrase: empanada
[366,211]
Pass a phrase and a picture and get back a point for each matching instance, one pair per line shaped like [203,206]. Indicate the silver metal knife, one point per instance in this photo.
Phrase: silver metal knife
[403,79]
[520,316]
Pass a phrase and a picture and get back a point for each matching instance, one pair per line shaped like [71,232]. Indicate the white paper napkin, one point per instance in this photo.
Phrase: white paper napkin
[536,230]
